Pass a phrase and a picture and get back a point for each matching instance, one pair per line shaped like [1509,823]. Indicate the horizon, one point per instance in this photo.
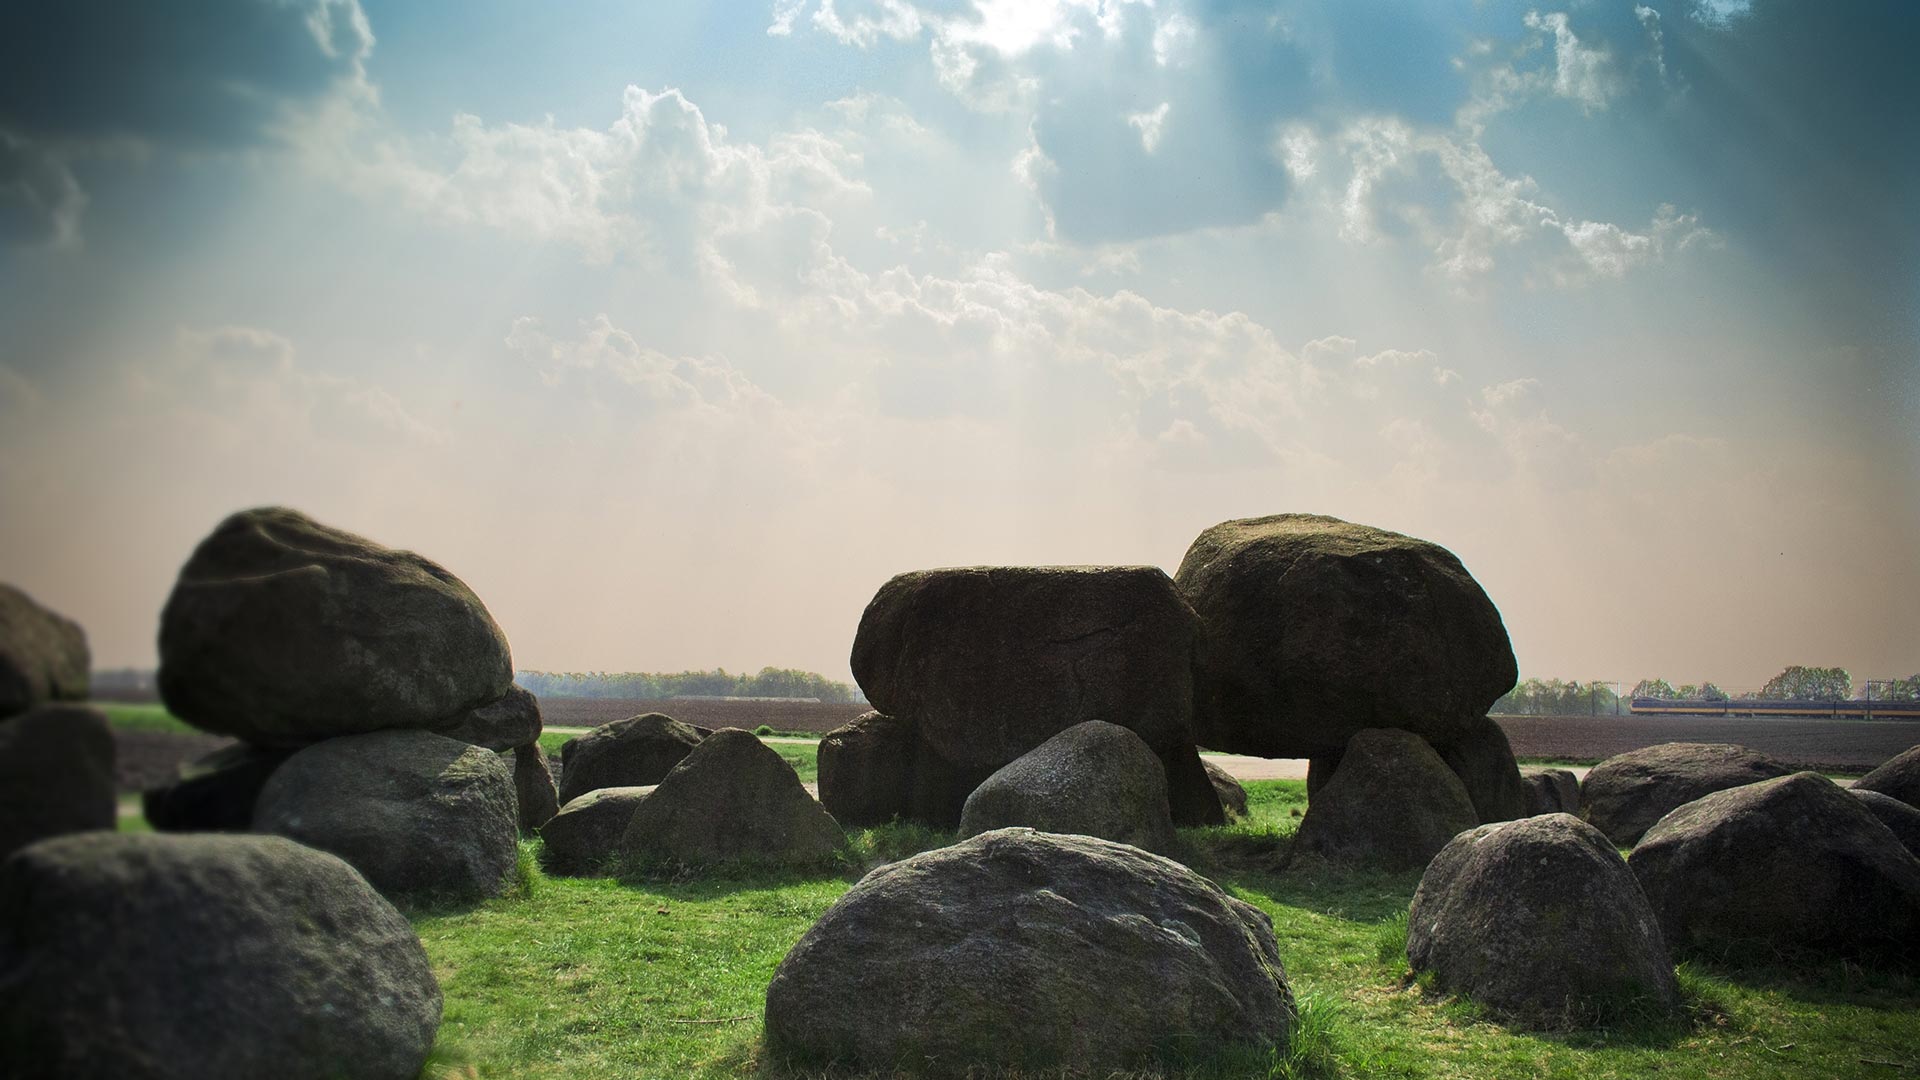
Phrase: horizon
[675,334]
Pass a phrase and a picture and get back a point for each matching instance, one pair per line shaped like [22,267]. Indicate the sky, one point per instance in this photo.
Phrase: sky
[675,330]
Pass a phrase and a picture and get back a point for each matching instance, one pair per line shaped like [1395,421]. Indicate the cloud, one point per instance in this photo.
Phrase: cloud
[40,200]
[1582,73]
[1150,125]
[666,382]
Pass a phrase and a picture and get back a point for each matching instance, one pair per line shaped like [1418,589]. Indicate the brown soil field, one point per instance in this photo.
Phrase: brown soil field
[815,717]
[1845,746]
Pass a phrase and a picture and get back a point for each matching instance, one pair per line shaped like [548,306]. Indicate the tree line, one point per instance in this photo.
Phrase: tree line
[1553,697]
[657,686]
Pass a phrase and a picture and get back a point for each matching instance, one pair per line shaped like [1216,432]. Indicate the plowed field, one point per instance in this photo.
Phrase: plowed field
[1831,745]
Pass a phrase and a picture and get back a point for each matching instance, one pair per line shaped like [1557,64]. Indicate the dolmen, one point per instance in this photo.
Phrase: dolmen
[374,681]
[1018,949]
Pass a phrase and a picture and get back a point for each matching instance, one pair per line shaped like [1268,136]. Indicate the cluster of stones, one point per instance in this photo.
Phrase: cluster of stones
[56,758]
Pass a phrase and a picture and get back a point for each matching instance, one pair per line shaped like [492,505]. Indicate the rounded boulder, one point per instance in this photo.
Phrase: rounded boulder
[43,655]
[584,837]
[636,752]
[1899,777]
[1093,779]
[56,775]
[733,800]
[1624,795]
[1391,804]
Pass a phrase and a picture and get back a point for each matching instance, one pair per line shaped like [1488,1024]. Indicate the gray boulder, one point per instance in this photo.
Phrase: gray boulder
[421,815]
[1093,779]
[1392,804]
[1482,758]
[1232,796]
[1551,791]
[1902,820]
[1317,628]
[43,655]
[584,837]
[1898,777]
[634,752]
[56,775]
[201,956]
[1782,865]
[1624,795]
[990,662]
[282,632]
[1541,921]
[512,721]
[733,800]
[213,793]
[534,792]
[1028,950]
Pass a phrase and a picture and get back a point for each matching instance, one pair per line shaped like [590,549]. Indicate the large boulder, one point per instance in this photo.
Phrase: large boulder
[43,655]
[202,956]
[877,767]
[421,815]
[1230,792]
[1482,758]
[1028,950]
[1093,779]
[1624,795]
[990,662]
[56,775]
[534,791]
[1901,819]
[634,752]
[510,722]
[282,632]
[1392,804]
[1541,921]
[1551,791]
[214,792]
[584,837]
[733,800]
[1898,777]
[1317,628]
[1788,864]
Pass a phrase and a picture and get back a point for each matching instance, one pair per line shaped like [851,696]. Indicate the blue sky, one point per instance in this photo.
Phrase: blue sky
[676,329]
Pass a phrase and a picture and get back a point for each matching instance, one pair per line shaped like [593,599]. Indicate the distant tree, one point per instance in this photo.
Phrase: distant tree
[1907,689]
[1654,688]
[1809,684]
[1552,697]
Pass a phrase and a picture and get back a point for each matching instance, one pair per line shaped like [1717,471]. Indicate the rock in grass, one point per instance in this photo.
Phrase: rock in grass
[1551,791]
[215,792]
[1624,795]
[511,721]
[1192,797]
[424,817]
[1900,819]
[584,837]
[43,655]
[733,800]
[1541,921]
[56,775]
[1392,804]
[1482,758]
[634,752]
[877,767]
[1028,950]
[1317,628]
[533,789]
[282,632]
[1898,777]
[1093,779]
[989,662]
[1230,792]
[1780,866]
[205,956]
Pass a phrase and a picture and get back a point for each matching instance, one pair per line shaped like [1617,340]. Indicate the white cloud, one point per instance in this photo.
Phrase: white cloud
[40,200]
[784,13]
[1173,37]
[1150,124]
[1582,73]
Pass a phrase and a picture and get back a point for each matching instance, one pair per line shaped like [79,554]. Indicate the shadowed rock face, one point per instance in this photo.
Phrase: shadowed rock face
[1392,804]
[533,788]
[188,957]
[512,721]
[1540,920]
[584,837]
[1899,778]
[1317,628]
[1093,779]
[282,632]
[1483,760]
[1021,949]
[990,662]
[56,775]
[1624,795]
[1551,791]
[421,815]
[634,752]
[876,767]
[733,800]
[1788,864]
[43,655]
[1232,796]
[1902,820]
[213,793]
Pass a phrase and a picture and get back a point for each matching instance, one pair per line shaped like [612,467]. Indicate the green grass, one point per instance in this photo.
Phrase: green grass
[144,718]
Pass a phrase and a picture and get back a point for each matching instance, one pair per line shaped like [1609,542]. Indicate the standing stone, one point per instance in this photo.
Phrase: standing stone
[205,956]
[1391,805]
[511,721]
[1624,795]
[1541,921]
[1551,791]
[866,770]
[1900,819]
[533,789]
[1317,628]
[990,662]
[1783,865]
[421,815]
[1898,777]
[1230,792]
[1192,794]
[1033,951]
[733,800]
[1093,779]
[634,752]
[43,655]
[282,631]
[213,793]
[56,775]
[584,837]
[1482,758]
